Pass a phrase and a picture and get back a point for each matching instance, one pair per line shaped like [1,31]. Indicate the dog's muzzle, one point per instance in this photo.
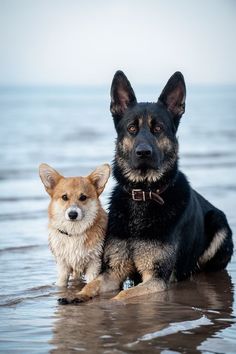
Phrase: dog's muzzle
[143,151]
[73,213]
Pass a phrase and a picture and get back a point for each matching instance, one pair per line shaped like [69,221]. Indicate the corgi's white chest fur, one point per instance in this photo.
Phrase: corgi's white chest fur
[74,257]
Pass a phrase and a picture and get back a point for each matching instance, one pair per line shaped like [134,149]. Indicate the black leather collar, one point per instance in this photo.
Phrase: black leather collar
[140,195]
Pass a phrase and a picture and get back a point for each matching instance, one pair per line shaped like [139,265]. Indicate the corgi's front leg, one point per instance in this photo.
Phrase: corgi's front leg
[63,274]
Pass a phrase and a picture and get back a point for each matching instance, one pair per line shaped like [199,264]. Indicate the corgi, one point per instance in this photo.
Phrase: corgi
[77,222]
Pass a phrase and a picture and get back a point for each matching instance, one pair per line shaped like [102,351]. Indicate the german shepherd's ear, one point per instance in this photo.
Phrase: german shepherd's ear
[173,96]
[99,177]
[122,96]
[49,177]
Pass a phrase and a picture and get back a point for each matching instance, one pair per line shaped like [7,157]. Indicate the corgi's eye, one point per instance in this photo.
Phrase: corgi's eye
[82,198]
[132,129]
[64,197]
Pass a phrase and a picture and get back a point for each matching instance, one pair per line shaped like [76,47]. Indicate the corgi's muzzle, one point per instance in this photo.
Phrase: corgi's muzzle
[73,213]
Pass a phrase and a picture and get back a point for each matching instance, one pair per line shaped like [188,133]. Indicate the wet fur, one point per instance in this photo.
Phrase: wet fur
[145,240]
[78,249]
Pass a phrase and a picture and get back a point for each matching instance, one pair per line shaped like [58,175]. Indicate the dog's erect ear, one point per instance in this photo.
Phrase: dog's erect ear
[49,177]
[99,177]
[122,95]
[173,96]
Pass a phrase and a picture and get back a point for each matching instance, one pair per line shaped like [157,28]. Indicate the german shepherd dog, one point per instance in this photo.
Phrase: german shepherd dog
[159,229]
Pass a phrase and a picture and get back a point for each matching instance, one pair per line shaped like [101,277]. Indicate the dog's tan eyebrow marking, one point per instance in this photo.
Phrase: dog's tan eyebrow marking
[140,121]
[150,121]
[143,121]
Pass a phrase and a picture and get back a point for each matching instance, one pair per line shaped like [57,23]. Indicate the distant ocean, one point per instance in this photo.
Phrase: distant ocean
[71,129]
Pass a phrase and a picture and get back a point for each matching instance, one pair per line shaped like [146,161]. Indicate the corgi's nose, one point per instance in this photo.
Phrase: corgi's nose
[73,215]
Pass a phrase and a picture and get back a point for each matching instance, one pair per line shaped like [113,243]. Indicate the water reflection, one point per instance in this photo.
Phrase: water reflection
[143,324]
[33,130]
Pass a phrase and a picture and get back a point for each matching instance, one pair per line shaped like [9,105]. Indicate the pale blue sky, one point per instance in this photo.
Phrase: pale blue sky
[83,42]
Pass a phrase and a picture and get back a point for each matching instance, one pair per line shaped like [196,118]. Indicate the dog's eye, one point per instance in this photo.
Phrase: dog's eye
[82,198]
[64,197]
[157,129]
[132,129]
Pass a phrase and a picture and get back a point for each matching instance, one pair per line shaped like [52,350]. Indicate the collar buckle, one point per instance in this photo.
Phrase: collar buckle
[138,195]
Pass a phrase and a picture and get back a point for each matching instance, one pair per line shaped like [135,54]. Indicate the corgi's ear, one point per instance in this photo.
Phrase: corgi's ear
[99,177]
[49,177]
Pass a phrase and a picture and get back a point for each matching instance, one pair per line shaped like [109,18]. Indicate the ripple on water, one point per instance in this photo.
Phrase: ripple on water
[177,327]
[197,315]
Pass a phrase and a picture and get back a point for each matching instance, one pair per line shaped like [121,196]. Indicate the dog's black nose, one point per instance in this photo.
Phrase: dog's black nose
[143,150]
[73,214]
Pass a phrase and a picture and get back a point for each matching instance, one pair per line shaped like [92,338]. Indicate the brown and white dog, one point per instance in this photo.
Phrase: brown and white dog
[77,222]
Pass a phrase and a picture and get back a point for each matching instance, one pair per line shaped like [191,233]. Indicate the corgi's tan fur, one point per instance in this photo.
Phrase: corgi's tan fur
[77,222]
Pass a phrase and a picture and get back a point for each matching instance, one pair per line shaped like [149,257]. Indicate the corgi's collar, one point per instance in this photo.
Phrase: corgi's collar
[63,232]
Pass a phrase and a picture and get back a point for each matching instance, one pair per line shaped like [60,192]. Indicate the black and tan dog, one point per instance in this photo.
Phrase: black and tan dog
[159,228]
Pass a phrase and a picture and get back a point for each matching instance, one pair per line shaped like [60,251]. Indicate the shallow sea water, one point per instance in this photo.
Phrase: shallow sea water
[71,129]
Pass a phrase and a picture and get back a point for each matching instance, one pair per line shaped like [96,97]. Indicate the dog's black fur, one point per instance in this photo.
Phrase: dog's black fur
[156,242]
[186,220]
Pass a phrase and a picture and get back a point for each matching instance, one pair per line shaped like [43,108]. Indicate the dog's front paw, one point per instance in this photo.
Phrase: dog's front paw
[122,295]
[63,301]
[74,301]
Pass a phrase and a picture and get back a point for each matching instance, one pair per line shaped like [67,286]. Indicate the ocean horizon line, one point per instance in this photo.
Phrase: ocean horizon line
[4,88]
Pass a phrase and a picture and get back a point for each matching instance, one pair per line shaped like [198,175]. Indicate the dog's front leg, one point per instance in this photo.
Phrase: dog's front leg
[105,282]
[93,269]
[145,288]
[151,284]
